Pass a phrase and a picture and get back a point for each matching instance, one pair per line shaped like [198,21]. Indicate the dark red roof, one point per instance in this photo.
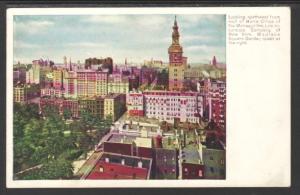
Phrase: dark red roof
[117,171]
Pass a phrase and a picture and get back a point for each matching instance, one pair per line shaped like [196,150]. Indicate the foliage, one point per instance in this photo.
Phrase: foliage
[41,140]
[67,114]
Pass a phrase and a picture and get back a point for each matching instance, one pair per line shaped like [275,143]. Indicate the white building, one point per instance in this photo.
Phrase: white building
[171,105]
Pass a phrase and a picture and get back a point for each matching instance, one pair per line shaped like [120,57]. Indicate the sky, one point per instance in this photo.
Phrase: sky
[135,37]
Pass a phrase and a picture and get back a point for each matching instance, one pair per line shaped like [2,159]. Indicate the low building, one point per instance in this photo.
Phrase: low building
[62,105]
[95,106]
[165,163]
[214,162]
[116,166]
[192,166]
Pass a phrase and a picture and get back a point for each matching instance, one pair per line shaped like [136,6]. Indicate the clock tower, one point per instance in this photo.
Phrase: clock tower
[176,62]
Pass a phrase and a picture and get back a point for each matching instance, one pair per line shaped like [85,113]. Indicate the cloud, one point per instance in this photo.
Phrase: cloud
[108,19]
[24,45]
[200,18]
[85,44]
[151,21]
[32,27]
[191,38]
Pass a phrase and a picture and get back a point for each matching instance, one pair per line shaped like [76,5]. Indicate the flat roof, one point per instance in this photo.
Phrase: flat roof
[120,167]
[120,138]
[190,154]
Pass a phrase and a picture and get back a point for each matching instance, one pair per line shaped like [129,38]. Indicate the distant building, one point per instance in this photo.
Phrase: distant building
[20,94]
[58,78]
[52,92]
[33,74]
[133,82]
[106,63]
[70,84]
[193,73]
[147,75]
[19,75]
[117,83]
[214,61]
[91,83]
[154,63]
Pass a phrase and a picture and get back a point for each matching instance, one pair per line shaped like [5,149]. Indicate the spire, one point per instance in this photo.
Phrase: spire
[214,61]
[175,34]
[70,63]
[65,60]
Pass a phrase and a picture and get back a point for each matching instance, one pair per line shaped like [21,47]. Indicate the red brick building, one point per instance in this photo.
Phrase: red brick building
[116,166]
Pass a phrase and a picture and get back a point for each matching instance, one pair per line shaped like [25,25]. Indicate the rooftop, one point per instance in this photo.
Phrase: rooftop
[113,166]
[119,138]
[190,154]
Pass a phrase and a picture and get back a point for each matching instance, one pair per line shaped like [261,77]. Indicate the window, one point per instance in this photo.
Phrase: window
[200,174]
[222,161]
[212,169]
[211,158]
[101,169]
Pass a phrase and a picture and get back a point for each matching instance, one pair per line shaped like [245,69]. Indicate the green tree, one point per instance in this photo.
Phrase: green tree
[67,114]
[54,169]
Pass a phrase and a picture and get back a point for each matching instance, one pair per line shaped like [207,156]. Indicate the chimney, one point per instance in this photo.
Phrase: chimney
[140,164]
[107,160]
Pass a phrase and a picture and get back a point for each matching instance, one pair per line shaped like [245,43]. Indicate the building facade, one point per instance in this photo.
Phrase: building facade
[114,106]
[117,83]
[91,83]
[135,103]
[20,94]
[173,105]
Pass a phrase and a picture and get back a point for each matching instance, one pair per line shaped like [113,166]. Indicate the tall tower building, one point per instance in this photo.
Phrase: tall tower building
[176,64]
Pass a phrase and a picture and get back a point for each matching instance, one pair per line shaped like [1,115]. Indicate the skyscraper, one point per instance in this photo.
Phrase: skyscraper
[176,62]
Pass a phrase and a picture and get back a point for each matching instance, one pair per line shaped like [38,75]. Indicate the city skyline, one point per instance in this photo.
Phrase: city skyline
[135,37]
